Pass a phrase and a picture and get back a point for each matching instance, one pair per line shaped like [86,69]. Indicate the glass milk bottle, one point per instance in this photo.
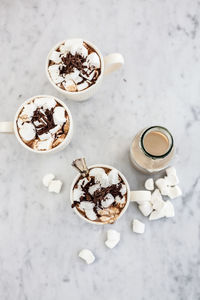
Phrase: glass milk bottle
[152,149]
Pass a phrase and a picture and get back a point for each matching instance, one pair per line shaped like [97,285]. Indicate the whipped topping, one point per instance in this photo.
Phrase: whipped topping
[43,123]
[74,66]
[100,197]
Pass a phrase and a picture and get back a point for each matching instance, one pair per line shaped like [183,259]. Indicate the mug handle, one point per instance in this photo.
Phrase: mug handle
[113,62]
[6,127]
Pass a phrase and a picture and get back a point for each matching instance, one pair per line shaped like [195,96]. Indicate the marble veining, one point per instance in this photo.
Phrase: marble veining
[40,235]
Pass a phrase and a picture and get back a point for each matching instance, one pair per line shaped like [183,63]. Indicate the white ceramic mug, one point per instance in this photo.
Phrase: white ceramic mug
[11,127]
[109,63]
[125,182]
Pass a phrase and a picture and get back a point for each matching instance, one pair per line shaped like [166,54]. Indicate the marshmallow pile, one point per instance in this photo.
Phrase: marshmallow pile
[43,123]
[74,66]
[101,197]
[152,204]
[53,185]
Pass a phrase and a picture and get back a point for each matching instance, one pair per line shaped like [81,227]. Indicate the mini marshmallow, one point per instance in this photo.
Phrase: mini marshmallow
[78,48]
[100,176]
[73,75]
[93,60]
[174,192]
[161,183]
[83,182]
[138,226]
[85,205]
[55,57]
[170,171]
[140,196]
[157,201]
[29,109]
[123,190]
[91,76]
[113,177]
[54,72]
[146,208]
[108,200]
[49,103]
[94,188]
[82,86]
[45,145]
[59,115]
[87,256]
[119,200]
[169,209]
[69,85]
[77,193]
[55,186]
[149,184]
[44,136]
[155,215]
[113,238]
[171,180]
[90,214]
[55,129]
[27,131]
[47,179]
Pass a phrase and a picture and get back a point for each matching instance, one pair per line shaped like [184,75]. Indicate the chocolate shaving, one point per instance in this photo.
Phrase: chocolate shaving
[99,195]
[71,62]
[45,119]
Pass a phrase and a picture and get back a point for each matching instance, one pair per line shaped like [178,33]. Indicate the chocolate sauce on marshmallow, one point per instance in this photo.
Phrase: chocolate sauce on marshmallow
[74,66]
[43,123]
[101,195]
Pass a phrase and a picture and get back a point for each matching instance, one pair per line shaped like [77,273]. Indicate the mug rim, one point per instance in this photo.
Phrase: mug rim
[125,182]
[65,92]
[64,143]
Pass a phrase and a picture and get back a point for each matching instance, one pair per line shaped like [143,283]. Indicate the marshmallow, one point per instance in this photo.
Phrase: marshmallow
[155,215]
[83,182]
[29,109]
[93,60]
[146,208]
[149,184]
[82,86]
[87,256]
[59,115]
[108,200]
[47,179]
[55,74]
[55,186]
[73,75]
[90,214]
[156,200]
[69,85]
[119,200]
[172,180]
[113,238]
[55,57]
[77,193]
[100,176]
[138,226]
[44,145]
[94,188]
[27,131]
[44,136]
[78,48]
[170,171]
[55,129]
[113,177]
[169,209]
[91,76]
[85,205]
[174,192]
[123,190]
[140,196]
[161,183]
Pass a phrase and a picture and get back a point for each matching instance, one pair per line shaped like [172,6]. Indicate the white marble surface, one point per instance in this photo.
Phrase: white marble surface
[160,84]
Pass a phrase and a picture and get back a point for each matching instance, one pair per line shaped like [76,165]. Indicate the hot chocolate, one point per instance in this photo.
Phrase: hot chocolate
[74,66]
[43,123]
[101,196]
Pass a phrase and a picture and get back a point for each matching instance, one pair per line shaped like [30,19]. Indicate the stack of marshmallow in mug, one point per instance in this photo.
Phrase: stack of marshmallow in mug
[152,204]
